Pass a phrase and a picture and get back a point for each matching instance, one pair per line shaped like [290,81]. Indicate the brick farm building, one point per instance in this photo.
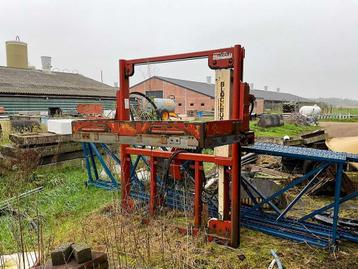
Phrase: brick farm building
[188,95]
[200,96]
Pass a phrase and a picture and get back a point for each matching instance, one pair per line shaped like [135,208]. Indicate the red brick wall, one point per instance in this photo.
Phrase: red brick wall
[194,98]
[259,107]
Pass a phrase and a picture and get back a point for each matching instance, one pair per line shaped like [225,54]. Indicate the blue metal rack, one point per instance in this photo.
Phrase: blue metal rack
[302,229]
[90,151]
[275,222]
[173,197]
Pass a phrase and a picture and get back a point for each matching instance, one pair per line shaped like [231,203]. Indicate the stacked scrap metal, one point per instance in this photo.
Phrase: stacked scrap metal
[315,139]
[41,148]
[298,119]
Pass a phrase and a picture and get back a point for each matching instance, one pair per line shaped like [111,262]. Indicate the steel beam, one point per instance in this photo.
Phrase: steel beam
[197,195]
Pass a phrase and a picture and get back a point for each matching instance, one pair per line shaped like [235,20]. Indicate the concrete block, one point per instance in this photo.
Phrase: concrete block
[270,120]
[82,253]
[62,254]
[60,126]
[99,261]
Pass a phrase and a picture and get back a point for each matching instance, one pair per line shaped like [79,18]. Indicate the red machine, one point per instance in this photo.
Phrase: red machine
[179,134]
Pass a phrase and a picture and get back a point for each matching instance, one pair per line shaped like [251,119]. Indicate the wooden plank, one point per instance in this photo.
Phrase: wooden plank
[61,158]
[293,142]
[32,139]
[223,93]
[313,134]
[268,171]
[43,151]
[315,139]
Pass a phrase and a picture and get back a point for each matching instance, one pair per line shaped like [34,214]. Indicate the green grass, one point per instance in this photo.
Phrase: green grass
[341,110]
[287,129]
[63,203]
[67,206]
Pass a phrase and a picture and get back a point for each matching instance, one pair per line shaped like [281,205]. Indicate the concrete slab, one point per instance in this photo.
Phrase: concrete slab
[60,126]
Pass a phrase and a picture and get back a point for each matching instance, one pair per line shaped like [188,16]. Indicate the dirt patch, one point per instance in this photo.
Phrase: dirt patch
[340,129]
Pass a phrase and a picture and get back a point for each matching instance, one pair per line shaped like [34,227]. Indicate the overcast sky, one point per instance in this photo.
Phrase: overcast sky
[309,48]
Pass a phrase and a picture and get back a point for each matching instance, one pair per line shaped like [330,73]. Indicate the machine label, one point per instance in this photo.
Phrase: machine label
[222,55]
[126,103]
[222,101]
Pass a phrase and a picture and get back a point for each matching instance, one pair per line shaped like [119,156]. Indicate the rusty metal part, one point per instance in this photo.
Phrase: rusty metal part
[219,230]
[189,135]
[90,109]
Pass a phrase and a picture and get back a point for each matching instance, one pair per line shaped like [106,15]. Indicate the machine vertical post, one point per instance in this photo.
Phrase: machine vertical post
[226,210]
[153,186]
[197,196]
[235,196]
[223,109]
[122,113]
[236,159]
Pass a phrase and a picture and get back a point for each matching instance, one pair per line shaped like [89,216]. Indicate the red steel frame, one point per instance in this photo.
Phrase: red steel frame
[217,59]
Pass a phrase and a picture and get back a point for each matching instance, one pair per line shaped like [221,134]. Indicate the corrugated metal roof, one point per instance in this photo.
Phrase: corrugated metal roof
[209,90]
[200,87]
[38,82]
[278,96]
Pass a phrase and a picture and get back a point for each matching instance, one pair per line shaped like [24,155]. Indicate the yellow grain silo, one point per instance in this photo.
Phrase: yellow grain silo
[16,54]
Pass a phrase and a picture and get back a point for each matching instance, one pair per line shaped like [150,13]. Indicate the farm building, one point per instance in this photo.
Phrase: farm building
[30,90]
[26,89]
[188,95]
[199,96]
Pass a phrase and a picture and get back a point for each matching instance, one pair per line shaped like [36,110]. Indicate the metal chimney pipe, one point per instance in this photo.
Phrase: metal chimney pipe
[46,63]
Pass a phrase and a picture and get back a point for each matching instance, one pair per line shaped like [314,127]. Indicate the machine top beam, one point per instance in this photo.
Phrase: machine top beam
[217,59]
[180,57]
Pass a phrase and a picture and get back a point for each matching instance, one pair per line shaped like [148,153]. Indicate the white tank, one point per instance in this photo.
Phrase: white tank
[165,104]
[310,110]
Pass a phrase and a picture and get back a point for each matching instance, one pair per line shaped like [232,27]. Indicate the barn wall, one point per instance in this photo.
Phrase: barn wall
[195,101]
[16,104]
[259,107]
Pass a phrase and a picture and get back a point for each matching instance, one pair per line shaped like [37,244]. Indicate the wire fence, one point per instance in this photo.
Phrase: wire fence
[338,116]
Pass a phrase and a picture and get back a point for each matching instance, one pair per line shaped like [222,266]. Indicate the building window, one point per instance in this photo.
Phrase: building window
[202,104]
[179,104]
[191,104]
[154,94]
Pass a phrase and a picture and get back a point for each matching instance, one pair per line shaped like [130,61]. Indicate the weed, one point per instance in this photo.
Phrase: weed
[280,131]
